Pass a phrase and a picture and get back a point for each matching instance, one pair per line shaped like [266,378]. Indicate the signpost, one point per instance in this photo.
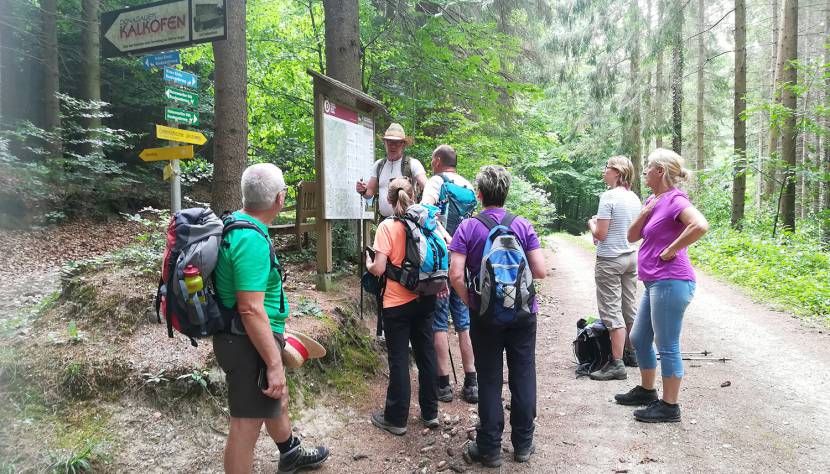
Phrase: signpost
[181,96]
[162,25]
[186,117]
[177,135]
[171,58]
[181,78]
[167,153]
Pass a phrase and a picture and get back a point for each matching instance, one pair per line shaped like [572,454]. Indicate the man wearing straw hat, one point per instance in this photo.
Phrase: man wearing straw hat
[249,283]
[393,166]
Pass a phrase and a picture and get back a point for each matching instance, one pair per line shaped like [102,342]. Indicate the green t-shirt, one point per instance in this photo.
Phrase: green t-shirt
[244,264]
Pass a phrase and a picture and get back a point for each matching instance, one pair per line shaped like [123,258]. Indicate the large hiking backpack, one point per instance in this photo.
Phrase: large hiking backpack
[592,347]
[457,202]
[504,282]
[193,239]
[426,260]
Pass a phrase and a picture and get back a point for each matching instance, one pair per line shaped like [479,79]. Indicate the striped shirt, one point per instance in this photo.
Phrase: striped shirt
[622,207]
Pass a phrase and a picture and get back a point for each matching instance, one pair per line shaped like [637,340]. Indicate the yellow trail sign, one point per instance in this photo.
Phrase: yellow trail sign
[178,135]
[167,153]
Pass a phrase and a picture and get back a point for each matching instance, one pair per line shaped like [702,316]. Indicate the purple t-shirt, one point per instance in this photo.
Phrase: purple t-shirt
[661,229]
[470,236]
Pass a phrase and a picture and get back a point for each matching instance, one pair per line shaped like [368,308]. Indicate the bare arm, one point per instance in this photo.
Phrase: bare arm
[696,226]
[376,266]
[536,260]
[367,189]
[599,228]
[635,232]
[251,305]
[457,266]
[421,179]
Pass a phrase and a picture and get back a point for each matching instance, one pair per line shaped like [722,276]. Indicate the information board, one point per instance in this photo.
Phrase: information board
[348,156]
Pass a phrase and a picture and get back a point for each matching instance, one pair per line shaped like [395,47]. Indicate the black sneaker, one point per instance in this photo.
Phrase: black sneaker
[523,455]
[636,396]
[630,358]
[658,412]
[470,393]
[431,424]
[445,394]
[302,458]
[379,421]
[472,455]
[613,370]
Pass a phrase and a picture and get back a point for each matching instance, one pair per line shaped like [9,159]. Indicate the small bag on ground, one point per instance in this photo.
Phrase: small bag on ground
[592,347]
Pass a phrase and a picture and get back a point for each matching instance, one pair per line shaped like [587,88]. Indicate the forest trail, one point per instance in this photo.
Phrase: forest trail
[772,417]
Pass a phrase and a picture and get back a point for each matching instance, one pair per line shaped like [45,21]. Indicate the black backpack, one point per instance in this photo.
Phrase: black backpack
[592,347]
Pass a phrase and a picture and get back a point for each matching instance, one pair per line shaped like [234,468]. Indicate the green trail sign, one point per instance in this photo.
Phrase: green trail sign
[182,116]
[182,97]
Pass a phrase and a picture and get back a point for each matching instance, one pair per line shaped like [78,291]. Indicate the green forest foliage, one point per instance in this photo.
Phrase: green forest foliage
[545,88]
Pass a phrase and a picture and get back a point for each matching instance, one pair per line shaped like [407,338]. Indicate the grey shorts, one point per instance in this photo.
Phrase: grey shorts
[241,362]
[616,280]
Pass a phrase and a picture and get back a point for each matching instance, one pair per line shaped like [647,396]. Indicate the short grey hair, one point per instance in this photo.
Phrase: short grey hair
[260,185]
[493,182]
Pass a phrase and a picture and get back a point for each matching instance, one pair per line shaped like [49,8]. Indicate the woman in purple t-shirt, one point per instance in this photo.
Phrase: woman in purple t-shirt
[668,224]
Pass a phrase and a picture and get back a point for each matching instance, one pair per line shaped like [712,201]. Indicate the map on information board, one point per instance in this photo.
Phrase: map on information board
[348,155]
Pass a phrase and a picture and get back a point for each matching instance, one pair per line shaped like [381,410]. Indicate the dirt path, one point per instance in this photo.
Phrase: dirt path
[772,417]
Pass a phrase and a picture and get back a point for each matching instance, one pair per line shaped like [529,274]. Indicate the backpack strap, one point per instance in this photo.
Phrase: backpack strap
[406,167]
[491,223]
[243,224]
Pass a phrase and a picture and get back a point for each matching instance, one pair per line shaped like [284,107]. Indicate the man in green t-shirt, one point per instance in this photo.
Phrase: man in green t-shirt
[248,280]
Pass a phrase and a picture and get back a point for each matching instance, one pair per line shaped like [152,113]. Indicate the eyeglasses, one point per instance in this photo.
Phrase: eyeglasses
[394,143]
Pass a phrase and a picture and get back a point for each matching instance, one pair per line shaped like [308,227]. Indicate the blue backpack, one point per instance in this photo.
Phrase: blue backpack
[504,282]
[456,202]
[426,260]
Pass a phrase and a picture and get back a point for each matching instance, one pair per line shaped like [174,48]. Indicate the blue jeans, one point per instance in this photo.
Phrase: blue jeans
[659,321]
[443,308]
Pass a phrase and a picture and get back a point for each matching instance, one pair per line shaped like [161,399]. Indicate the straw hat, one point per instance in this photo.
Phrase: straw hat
[299,348]
[395,132]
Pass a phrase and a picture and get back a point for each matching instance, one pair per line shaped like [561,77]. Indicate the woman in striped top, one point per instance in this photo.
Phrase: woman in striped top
[616,268]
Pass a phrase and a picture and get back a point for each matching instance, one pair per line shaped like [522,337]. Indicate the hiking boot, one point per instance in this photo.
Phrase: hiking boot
[523,455]
[433,423]
[630,358]
[445,394]
[379,421]
[636,396]
[658,412]
[302,458]
[613,370]
[470,393]
[472,455]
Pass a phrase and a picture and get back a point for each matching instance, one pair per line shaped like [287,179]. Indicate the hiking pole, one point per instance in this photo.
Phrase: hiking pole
[361,262]
[452,364]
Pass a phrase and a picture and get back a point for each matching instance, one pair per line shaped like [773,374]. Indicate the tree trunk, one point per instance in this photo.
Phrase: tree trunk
[825,204]
[739,125]
[648,121]
[677,80]
[658,79]
[91,48]
[701,88]
[775,98]
[230,139]
[789,76]
[636,147]
[803,163]
[343,41]
[51,78]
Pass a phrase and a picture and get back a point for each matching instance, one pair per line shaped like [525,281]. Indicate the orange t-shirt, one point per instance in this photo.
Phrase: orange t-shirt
[390,240]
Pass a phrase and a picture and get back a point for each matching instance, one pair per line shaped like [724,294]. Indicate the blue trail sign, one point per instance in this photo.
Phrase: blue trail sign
[181,78]
[171,58]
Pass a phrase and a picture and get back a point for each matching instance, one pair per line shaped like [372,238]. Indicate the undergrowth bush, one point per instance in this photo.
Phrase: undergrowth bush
[790,270]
